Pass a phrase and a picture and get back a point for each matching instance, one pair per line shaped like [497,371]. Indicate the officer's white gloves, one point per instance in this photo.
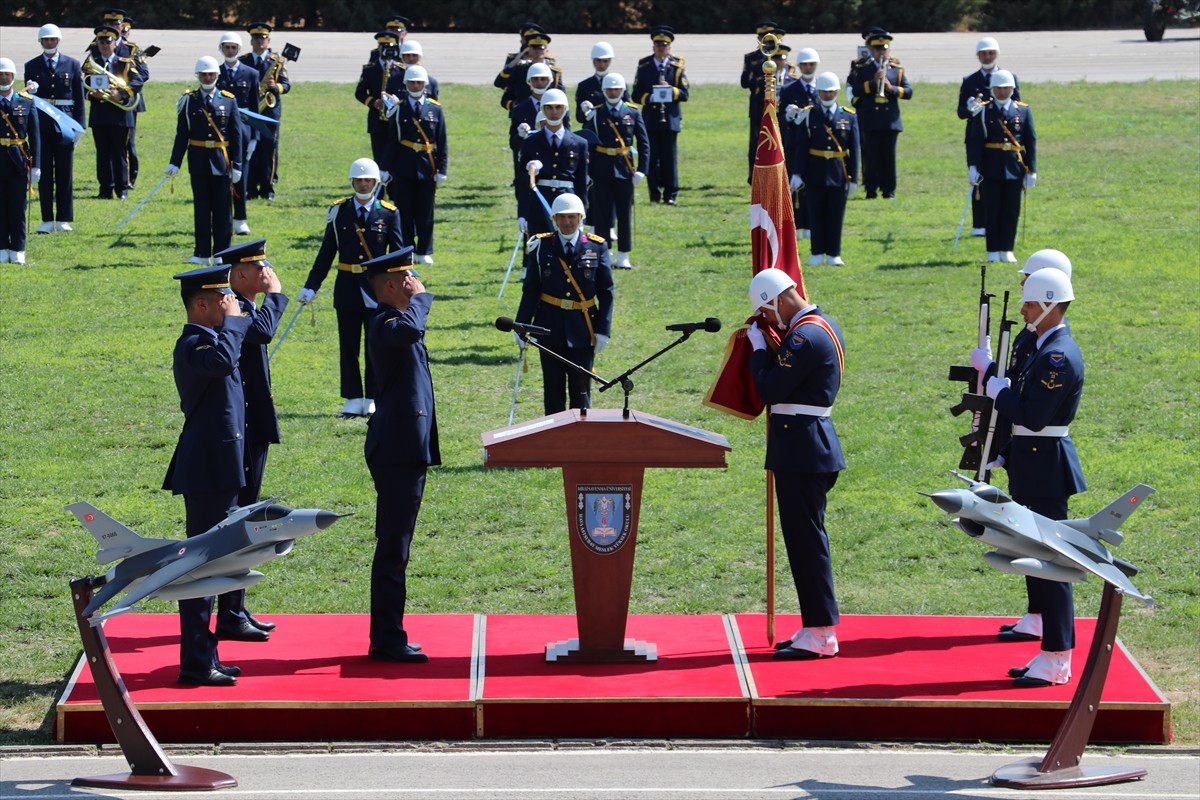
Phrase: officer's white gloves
[851,188]
[235,175]
[637,177]
[306,296]
[981,357]
[790,113]
[587,109]
[974,106]
[35,175]
[523,130]
[995,386]
[973,176]
[520,342]
[441,177]
[796,183]
[997,464]
[384,176]
[534,165]
[171,171]
[757,340]
[601,343]
[31,87]
[1030,180]
[522,225]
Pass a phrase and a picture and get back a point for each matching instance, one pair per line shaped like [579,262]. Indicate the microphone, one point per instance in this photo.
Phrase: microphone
[710,325]
[507,324]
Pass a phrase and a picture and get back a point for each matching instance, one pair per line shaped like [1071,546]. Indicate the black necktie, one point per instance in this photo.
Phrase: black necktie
[362,216]
[50,64]
[568,248]
[4,104]
[208,102]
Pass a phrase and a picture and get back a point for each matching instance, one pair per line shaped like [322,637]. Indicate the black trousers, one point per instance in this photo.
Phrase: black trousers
[112,159]
[557,376]
[352,333]
[978,218]
[826,213]
[14,191]
[663,170]
[56,189]
[801,497]
[879,161]
[613,197]
[197,644]
[1001,213]
[261,179]
[800,208]
[414,200]
[231,606]
[243,186]
[1054,600]
[211,211]
[398,490]
[131,155]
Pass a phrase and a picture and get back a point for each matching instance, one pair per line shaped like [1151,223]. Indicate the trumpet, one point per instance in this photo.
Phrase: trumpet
[92,67]
[881,95]
[266,97]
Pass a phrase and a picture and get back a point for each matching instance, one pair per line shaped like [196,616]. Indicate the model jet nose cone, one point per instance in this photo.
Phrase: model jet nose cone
[947,500]
[326,518]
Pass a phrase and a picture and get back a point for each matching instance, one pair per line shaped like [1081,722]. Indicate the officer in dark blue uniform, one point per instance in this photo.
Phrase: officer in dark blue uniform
[373,89]
[878,84]
[568,288]
[357,229]
[241,81]
[1002,159]
[111,115]
[1040,400]
[402,443]
[59,79]
[129,47]
[397,26]
[754,80]
[417,159]
[523,118]
[210,132]
[19,159]
[558,161]
[975,90]
[822,156]
[591,89]
[513,79]
[207,466]
[800,384]
[618,163]
[273,84]
[412,54]
[752,62]
[799,94]
[251,274]
[662,74]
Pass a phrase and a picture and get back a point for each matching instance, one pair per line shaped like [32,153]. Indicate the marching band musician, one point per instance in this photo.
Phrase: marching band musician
[416,159]
[58,79]
[111,115]
[975,89]
[127,47]
[241,81]
[878,84]
[373,89]
[662,75]
[19,153]
[513,78]
[396,25]
[273,84]
[619,130]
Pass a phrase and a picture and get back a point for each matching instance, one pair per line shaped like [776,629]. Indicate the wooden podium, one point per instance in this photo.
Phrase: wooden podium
[603,455]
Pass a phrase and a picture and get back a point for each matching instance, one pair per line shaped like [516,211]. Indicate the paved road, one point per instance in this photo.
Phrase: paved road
[647,772]
[475,58]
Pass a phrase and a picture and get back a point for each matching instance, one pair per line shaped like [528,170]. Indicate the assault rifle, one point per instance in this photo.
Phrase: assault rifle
[970,376]
[980,444]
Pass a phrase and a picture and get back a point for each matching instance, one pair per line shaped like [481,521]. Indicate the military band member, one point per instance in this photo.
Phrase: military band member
[799,94]
[1002,162]
[618,164]
[417,160]
[19,160]
[111,112]
[411,53]
[568,288]
[373,89]
[241,81]
[754,80]
[513,78]
[127,47]
[357,229]
[878,84]
[554,158]
[273,84]
[209,131]
[397,26]
[59,81]
[976,88]
[662,76]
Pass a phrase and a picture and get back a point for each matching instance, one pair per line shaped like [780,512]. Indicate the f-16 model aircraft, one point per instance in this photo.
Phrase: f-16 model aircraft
[1029,544]
[217,561]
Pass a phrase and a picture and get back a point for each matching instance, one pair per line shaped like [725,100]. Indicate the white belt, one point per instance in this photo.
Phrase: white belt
[1050,431]
[557,184]
[797,409]
[63,102]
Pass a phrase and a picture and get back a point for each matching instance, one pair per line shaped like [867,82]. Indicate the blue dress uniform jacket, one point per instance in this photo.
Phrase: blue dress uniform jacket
[878,113]
[978,84]
[592,90]
[622,142]
[397,86]
[515,83]
[262,424]
[993,151]
[242,83]
[126,67]
[403,429]
[372,83]
[20,152]
[564,169]
[547,288]
[193,125]
[526,111]
[799,93]
[823,133]
[264,164]
[62,87]
[661,116]
[416,149]
[283,83]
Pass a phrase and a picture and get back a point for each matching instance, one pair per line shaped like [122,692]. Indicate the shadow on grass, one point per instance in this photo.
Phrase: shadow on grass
[475,359]
[944,262]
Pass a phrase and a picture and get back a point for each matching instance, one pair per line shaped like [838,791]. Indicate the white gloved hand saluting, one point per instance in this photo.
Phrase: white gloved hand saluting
[306,296]
[995,386]
[757,340]
[171,171]
[601,343]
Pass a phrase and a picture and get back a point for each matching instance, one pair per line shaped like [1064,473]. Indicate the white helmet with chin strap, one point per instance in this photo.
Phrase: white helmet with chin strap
[1047,259]
[765,288]
[1001,78]
[602,50]
[567,203]
[987,43]
[206,64]
[1047,288]
[538,70]
[49,31]
[613,80]
[364,168]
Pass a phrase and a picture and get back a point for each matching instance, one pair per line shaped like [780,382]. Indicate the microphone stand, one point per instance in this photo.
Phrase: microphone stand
[623,378]
[529,339]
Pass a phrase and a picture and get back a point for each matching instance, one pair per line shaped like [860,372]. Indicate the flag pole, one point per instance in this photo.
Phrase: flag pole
[770,557]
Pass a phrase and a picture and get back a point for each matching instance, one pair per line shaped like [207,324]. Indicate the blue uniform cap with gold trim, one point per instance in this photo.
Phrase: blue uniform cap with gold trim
[396,261]
[662,33]
[765,26]
[876,36]
[259,29]
[254,252]
[113,15]
[106,31]
[387,37]
[397,22]
[215,278]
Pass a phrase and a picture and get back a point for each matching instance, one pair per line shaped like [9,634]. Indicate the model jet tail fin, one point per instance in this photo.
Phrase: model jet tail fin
[1104,523]
[115,540]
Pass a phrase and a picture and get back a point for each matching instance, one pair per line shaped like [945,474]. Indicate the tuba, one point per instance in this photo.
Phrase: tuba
[267,98]
[93,67]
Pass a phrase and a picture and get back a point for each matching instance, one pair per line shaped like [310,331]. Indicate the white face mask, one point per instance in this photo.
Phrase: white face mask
[614,102]
[829,104]
[7,87]
[208,87]
[600,74]
[416,95]
[555,124]
[49,51]
[231,60]
[363,197]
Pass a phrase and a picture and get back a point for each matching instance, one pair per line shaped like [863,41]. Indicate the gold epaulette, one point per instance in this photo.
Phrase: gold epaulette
[339,201]
[895,62]
[676,60]
[594,238]
[847,110]
[543,235]
[431,100]
[388,204]
[228,94]
[1019,103]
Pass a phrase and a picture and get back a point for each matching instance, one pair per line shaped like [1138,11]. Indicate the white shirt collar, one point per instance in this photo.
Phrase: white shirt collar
[1042,339]
[801,313]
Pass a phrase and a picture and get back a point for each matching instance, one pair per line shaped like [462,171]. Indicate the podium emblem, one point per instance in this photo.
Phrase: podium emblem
[603,516]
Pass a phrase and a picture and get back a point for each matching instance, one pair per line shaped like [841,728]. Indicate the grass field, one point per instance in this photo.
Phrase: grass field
[88,409]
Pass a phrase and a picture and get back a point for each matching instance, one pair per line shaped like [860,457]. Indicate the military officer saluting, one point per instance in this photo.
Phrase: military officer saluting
[19,143]
[659,87]
[58,79]
[554,161]
[568,288]
[621,137]
[273,84]
[523,116]
[513,77]
[373,92]
[975,90]
[878,84]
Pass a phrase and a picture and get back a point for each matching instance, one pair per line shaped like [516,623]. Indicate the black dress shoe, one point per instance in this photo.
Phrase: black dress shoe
[405,655]
[261,624]
[796,654]
[785,644]
[241,631]
[1016,636]
[228,669]
[891,196]
[1018,672]
[1008,627]
[1030,683]
[213,677]
[871,195]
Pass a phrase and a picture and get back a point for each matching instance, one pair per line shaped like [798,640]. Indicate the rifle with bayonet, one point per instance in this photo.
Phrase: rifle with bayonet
[982,443]
[975,382]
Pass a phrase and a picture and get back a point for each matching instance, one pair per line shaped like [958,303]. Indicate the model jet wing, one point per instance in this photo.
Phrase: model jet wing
[154,581]
[1102,570]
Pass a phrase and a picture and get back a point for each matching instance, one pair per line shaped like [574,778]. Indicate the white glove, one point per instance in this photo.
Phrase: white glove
[637,177]
[306,296]
[534,165]
[601,343]
[995,386]
[791,112]
[1030,180]
[235,175]
[31,87]
[991,465]
[981,357]
[851,188]
[35,175]
[520,342]
[171,171]
[973,176]
[587,109]
[441,177]
[523,130]
[974,106]
[757,340]
[522,225]
[796,183]
[384,176]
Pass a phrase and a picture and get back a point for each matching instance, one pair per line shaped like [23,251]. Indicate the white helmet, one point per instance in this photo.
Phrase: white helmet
[207,64]
[230,38]
[554,97]
[49,31]
[364,168]
[987,43]
[613,80]
[411,46]
[602,50]
[806,55]
[767,285]
[538,70]
[1002,77]
[567,204]
[416,73]
[1047,259]
[7,65]
[828,82]
[1048,287]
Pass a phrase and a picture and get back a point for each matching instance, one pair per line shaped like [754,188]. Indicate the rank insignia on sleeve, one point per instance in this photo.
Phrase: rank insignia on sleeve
[203,347]
[1057,359]
[1051,381]
[797,339]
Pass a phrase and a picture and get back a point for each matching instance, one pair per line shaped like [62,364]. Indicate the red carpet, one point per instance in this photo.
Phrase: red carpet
[312,682]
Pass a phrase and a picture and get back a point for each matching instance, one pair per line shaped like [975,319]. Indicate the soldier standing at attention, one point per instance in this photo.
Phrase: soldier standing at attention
[241,81]
[591,89]
[417,159]
[619,130]
[111,116]
[556,159]
[976,89]
[273,84]
[799,94]
[19,142]
[754,80]
[660,86]
[878,84]
[372,90]
[57,79]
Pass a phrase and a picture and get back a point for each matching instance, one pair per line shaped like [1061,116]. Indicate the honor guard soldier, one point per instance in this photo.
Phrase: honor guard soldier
[209,130]
[395,25]
[556,159]
[357,229]
[19,154]
[411,54]
[799,94]
[373,92]
[241,81]
[57,79]
[823,162]
[513,78]
[1002,162]
[659,87]
[417,160]
[114,83]
[273,84]
[618,164]
[976,89]
[207,466]
[589,93]
[754,80]
[568,288]
[522,117]
[878,84]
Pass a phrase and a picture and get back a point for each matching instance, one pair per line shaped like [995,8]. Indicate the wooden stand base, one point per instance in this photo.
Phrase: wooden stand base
[1028,775]
[568,651]
[185,779]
